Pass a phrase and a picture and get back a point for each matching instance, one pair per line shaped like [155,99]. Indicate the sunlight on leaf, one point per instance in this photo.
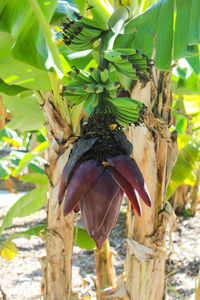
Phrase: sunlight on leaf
[8,250]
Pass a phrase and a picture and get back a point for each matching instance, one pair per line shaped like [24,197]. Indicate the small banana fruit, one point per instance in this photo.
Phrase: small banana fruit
[130,62]
[82,33]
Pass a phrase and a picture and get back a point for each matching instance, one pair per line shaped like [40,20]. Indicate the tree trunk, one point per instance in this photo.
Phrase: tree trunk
[155,150]
[59,237]
[180,198]
[186,196]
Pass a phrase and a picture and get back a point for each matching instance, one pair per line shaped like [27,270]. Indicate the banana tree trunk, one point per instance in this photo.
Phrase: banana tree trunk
[184,195]
[155,151]
[180,198]
[57,264]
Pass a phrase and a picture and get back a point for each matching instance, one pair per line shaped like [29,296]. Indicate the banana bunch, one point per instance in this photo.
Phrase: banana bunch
[126,110]
[130,62]
[84,86]
[80,34]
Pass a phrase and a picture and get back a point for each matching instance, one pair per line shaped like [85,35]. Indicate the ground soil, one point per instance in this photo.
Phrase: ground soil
[20,278]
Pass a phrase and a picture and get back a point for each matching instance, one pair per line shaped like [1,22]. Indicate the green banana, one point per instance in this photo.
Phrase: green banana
[112,93]
[72,74]
[93,88]
[112,85]
[83,89]
[126,51]
[84,76]
[113,56]
[131,75]
[126,67]
[89,33]
[103,74]
[80,34]
[89,99]
[74,90]
[126,102]
[130,63]
[95,73]
[77,99]
[122,116]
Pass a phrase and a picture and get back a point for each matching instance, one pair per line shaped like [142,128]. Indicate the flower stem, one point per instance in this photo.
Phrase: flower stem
[104,269]
[115,23]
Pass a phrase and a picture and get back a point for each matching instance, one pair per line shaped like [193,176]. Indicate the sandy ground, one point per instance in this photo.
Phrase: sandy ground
[20,278]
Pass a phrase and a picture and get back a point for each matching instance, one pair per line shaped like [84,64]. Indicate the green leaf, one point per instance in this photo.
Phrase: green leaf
[184,12]
[82,239]
[188,86]
[35,167]
[142,30]
[181,123]
[28,157]
[196,122]
[184,165]
[165,36]
[192,104]
[194,63]
[194,25]
[8,250]
[26,205]
[4,170]
[19,19]
[23,74]
[34,231]
[13,158]
[64,9]
[6,42]
[26,112]
[79,59]
[10,90]
[9,133]
[35,178]
[101,11]
[82,5]
[156,25]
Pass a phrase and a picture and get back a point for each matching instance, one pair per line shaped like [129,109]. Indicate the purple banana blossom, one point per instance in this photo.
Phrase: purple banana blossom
[95,180]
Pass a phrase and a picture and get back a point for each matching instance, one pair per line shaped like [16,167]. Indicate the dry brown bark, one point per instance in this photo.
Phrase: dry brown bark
[59,237]
[186,195]
[155,151]
[180,198]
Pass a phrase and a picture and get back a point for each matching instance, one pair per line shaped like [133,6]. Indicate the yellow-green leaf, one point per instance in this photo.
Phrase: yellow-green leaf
[8,250]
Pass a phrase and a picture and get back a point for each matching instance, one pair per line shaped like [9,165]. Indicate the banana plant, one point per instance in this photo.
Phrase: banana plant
[90,75]
[186,112]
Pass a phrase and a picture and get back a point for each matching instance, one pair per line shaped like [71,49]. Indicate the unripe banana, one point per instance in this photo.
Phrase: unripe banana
[103,74]
[126,51]
[95,73]
[84,76]
[77,99]
[113,56]
[93,88]
[83,89]
[126,102]
[112,85]
[81,34]
[112,93]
